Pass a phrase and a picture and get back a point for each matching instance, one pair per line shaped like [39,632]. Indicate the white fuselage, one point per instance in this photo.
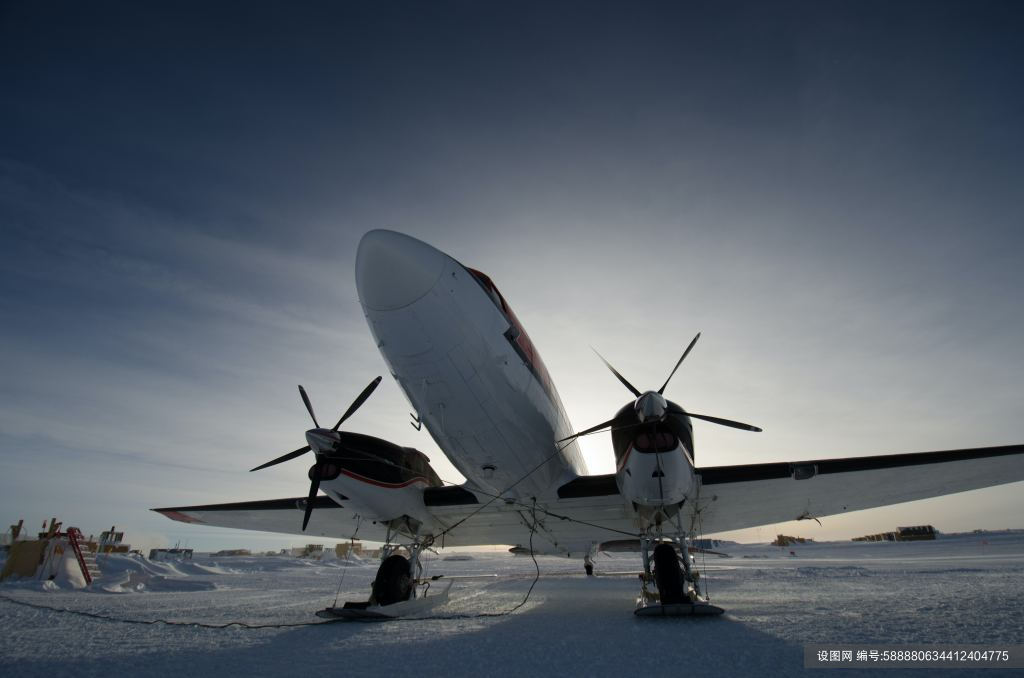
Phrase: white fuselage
[488,404]
[478,385]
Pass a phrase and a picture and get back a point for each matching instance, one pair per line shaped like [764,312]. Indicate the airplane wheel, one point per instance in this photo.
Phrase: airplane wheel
[668,575]
[393,583]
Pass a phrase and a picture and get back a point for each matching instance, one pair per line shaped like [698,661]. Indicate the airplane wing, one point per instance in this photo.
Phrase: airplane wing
[329,518]
[750,495]
[589,510]
[735,497]
[570,524]
[567,525]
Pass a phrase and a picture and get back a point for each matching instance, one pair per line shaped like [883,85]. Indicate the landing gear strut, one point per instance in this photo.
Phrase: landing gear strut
[397,575]
[678,591]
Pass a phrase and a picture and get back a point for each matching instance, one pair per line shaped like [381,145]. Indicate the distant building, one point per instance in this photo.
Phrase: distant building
[707,543]
[308,551]
[164,555]
[353,547]
[881,536]
[11,536]
[915,533]
[786,540]
[49,556]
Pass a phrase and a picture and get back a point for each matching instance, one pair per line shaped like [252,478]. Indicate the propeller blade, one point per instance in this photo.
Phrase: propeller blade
[595,429]
[618,376]
[313,489]
[725,422]
[358,402]
[592,429]
[291,455]
[685,353]
[309,406]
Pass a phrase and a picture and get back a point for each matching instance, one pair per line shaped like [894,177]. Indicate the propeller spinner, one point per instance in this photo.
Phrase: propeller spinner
[321,442]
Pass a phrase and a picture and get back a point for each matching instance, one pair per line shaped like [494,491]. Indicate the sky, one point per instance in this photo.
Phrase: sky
[830,192]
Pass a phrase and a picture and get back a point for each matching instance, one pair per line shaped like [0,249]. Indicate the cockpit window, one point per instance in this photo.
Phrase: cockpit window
[490,288]
[517,336]
[659,441]
[495,297]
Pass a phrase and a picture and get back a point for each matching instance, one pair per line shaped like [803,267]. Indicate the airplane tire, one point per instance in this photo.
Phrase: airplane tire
[393,583]
[668,575]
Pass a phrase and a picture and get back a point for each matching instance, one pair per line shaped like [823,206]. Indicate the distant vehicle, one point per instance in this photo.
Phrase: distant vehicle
[478,384]
[170,555]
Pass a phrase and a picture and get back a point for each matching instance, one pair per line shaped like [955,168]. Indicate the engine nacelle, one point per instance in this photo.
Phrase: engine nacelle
[650,477]
[654,458]
[385,479]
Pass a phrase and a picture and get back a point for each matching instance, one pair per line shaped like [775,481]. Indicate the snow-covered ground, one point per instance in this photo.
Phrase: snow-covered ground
[961,589]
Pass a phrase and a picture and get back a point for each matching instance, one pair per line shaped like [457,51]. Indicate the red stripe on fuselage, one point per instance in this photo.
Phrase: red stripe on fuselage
[393,486]
[622,462]
[180,517]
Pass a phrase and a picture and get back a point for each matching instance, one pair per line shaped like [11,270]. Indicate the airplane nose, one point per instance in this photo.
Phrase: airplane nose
[394,270]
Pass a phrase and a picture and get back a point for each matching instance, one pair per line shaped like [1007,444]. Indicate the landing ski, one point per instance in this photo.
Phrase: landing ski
[695,609]
[366,612]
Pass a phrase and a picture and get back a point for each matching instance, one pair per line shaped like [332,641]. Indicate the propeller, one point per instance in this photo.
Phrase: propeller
[661,391]
[291,455]
[356,404]
[321,441]
[722,422]
[625,382]
[610,425]
[309,406]
[314,487]
[651,406]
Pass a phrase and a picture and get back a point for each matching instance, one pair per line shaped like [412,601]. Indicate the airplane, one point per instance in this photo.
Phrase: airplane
[477,383]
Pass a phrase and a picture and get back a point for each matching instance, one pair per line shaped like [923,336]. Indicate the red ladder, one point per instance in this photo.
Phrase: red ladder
[74,536]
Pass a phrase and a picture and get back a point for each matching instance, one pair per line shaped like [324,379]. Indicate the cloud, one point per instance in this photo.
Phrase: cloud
[837,214]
